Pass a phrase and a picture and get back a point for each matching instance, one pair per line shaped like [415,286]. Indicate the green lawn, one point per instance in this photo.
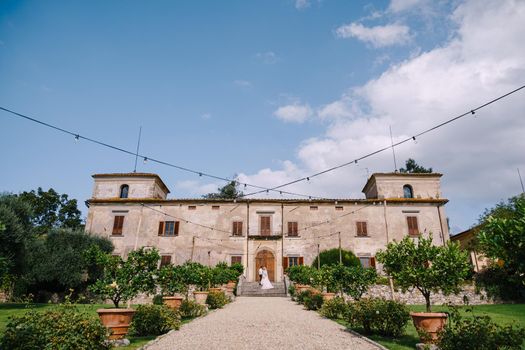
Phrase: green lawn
[503,314]
[10,309]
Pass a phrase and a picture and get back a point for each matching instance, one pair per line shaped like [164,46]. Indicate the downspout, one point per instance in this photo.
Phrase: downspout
[391,283]
[138,228]
[441,225]
[247,237]
[282,241]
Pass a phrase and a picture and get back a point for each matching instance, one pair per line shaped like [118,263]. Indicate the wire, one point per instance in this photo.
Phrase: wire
[355,161]
[151,159]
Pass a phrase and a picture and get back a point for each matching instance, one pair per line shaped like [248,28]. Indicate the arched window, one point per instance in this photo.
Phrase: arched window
[124,189]
[408,192]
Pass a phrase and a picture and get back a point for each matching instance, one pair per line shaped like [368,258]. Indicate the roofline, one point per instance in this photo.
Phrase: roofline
[143,175]
[463,233]
[347,201]
[374,175]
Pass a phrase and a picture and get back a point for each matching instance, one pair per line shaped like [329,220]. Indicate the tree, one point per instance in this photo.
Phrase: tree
[331,257]
[57,262]
[502,237]
[123,280]
[424,266]
[52,210]
[17,232]
[228,191]
[413,168]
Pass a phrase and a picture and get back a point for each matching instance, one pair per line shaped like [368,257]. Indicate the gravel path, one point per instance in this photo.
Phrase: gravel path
[262,323]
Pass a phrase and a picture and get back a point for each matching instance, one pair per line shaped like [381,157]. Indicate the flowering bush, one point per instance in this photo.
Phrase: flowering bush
[216,300]
[334,309]
[63,327]
[378,316]
[154,320]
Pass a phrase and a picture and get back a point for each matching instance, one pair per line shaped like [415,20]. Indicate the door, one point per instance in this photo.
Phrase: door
[265,258]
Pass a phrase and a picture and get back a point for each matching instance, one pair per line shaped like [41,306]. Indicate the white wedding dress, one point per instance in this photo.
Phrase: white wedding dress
[265,282]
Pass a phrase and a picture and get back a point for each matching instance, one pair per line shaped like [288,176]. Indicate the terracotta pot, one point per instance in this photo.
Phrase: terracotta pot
[429,322]
[117,320]
[172,302]
[328,296]
[231,284]
[215,289]
[300,287]
[200,297]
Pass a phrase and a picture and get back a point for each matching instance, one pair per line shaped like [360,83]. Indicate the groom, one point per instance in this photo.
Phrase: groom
[260,275]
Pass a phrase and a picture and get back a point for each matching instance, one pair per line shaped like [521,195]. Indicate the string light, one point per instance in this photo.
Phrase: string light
[77,137]
[145,160]
[261,188]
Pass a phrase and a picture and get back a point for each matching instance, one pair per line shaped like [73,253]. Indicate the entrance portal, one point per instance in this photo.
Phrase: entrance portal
[265,258]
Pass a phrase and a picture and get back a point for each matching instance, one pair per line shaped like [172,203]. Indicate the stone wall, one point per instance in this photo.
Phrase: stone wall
[413,297]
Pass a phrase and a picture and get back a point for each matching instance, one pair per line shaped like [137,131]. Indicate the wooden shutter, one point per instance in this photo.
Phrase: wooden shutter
[413,229]
[118,224]
[373,262]
[237,228]
[285,263]
[300,260]
[161,228]
[265,225]
[361,228]
[165,260]
[176,228]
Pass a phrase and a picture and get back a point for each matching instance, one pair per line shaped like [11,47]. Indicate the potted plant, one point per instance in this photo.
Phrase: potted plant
[236,270]
[302,276]
[120,281]
[358,280]
[429,269]
[170,280]
[198,276]
[324,280]
[221,275]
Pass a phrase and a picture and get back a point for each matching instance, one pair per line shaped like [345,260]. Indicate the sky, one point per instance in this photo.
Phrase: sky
[268,91]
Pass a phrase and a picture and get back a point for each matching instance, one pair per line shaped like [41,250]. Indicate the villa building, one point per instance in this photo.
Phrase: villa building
[133,210]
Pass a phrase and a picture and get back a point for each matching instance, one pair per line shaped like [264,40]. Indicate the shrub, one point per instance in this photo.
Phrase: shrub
[216,300]
[480,333]
[496,281]
[291,290]
[313,302]
[378,316]
[334,309]
[331,257]
[157,300]
[304,294]
[301,274]
[154,320]
[63,327]
[191,309]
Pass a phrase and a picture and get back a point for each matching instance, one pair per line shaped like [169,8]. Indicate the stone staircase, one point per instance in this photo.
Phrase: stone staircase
[252,289]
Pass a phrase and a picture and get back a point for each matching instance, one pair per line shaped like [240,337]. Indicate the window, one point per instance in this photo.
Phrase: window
[361,229]
[413,229]
[236,259]
[237,228]
[265,225]
[117,225]
[313,207]
[339,208]
[124,189]
[292,261]
[168,228]
[367,261]
[215,207]
[292,228]
[192,207]
[408,192]
[165,260]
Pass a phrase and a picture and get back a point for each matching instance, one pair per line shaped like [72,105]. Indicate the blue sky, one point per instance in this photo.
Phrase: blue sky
[268,90]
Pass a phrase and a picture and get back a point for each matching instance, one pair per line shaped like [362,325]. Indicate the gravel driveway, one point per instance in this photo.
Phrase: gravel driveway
[262,323]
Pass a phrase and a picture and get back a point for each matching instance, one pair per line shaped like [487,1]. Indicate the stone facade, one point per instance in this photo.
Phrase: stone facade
[205,231]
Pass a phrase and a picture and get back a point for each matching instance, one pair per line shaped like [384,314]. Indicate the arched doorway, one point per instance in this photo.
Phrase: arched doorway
[265,258]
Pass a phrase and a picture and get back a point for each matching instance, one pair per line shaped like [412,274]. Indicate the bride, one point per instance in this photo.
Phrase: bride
[265,282]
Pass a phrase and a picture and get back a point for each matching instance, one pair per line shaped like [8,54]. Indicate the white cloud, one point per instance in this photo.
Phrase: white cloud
[378,36]
[402,5]
[478,154]
[294,113]
[268,57]
[206,116]
[302,4]
[242,83]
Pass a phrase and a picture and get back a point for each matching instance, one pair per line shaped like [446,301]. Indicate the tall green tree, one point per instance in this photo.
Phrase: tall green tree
[331,257]
[228,191]
[52,210]
[413,168]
